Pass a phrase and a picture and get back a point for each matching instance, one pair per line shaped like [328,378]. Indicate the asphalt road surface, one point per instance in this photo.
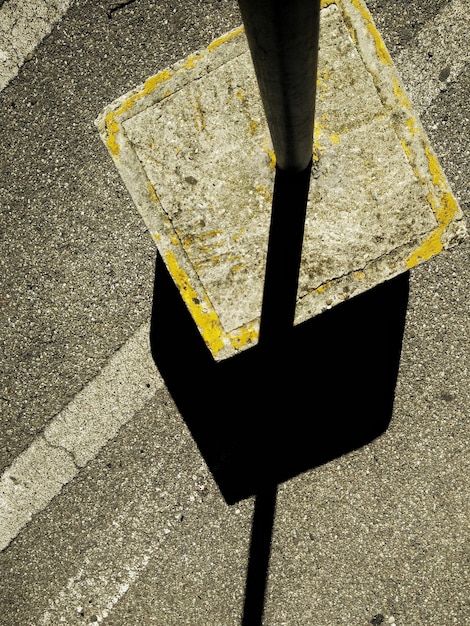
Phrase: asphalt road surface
[109,511]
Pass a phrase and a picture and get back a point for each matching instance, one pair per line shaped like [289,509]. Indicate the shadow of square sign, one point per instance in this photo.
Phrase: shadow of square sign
[193,148]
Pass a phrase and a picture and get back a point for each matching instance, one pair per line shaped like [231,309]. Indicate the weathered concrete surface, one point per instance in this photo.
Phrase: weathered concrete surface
[193,148]
[380,531]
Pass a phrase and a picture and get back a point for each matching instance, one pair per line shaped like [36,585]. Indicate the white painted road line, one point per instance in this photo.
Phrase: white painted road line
[23,25]
[68,604]
[437,55]
[76,435]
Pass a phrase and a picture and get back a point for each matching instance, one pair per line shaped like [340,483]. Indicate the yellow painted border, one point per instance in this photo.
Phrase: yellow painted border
[442,201]
[445,208]
[112,119]
[204,315]
[380,47]
[413,141]
[443,204]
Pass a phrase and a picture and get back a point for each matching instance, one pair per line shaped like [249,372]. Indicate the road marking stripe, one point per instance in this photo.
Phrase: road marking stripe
[424,75]
[76,435]
[70,601]
[23,25]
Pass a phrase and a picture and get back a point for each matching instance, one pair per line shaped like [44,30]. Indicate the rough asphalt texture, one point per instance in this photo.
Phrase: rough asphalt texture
[142,535]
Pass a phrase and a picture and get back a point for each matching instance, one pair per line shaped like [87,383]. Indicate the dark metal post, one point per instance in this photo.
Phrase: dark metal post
[283,40]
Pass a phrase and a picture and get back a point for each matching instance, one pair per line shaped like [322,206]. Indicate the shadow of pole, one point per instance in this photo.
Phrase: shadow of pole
[286,233]
[277,320]
[260,550]
[304,396]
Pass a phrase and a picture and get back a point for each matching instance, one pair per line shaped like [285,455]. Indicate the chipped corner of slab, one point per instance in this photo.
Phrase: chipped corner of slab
[193,148]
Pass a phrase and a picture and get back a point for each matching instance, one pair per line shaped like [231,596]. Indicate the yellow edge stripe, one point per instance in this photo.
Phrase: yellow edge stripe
[382,52]
[224,38]
[204,315]
[445,207]
[112,124]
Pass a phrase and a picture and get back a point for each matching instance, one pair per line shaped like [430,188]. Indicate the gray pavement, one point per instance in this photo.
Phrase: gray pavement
[139,532]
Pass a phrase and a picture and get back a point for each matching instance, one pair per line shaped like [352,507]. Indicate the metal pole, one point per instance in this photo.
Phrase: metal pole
[283,40]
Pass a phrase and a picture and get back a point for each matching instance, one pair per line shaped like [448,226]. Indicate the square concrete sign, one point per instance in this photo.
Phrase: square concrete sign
[193,148]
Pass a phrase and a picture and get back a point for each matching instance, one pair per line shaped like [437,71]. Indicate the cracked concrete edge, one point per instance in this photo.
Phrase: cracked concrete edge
[75,436]
[449,230]
[356,282]
[23,25]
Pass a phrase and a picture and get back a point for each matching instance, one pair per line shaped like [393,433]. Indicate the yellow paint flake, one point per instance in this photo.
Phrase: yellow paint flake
[201,237]
[221,40]
[335,138]
[444,207]
[242,336]
[150,85]
[270,152]
[236,268]
[210,262]
[216,259]
[237,236]
[202,312]
[204,243]
[381,50]
[199,114]
[438,179]
[191,61]
[412,126]
[254,124]
[406,149]
[322,80]
[400,94]
[317,133]
[359,275]
[209,234]
[152,192]
[430,247]
[262,191]
[113,128]
[112,125]
[323,287]
[174,239]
